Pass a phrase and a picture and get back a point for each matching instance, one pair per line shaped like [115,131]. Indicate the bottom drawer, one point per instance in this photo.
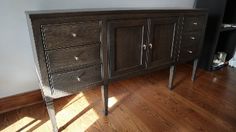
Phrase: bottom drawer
[188,53]
[76,80]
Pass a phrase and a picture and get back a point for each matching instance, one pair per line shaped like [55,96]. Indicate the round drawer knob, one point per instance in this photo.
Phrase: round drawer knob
[193,38]
[79,79]
[190,51]
[195,23]
[76,58]
[74,35]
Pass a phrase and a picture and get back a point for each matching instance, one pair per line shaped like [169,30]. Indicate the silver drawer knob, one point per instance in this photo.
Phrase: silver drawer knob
[76,58]
[74,35]
[150,46]
[193,38]
[78,78]
[144,46]
[195,23]
[190,51]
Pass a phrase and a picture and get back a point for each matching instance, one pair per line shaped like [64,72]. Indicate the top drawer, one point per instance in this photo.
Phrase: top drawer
[70,34]
[193,23]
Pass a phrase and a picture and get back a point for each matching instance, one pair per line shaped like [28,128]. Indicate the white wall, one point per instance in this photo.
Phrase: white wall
[17,73]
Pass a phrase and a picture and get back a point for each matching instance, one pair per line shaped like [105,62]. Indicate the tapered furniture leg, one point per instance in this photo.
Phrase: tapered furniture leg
[51,113]
[194,69]
[171,77]
[104,90]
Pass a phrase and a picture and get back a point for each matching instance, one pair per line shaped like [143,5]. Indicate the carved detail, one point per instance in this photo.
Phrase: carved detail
[46,58]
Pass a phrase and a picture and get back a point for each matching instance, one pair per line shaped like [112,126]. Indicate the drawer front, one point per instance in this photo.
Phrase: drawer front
[72,34]
[70,58]
[188,53]
[193,23]
[191,38]
[77,80]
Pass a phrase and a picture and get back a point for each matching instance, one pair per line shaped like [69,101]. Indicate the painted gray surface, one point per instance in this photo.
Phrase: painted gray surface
[17,72]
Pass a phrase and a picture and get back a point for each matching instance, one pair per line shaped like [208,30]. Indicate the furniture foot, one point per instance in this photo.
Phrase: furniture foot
[194,69]
[104,90]
[51,113]
[171,77]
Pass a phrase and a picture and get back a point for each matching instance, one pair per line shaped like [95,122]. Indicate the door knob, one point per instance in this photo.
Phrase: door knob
[150,46]
[144,46]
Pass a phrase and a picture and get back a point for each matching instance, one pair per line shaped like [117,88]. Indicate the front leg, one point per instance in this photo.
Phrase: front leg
[51,113]
[171,77]
[104,90]
[194,69]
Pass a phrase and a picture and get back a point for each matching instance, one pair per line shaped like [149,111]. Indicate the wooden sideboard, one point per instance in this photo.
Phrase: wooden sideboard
[78,49]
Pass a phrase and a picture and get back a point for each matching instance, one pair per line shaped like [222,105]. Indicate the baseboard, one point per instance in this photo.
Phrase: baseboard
[20,100]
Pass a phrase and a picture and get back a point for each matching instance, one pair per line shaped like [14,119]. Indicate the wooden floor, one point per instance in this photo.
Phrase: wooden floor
[142,104]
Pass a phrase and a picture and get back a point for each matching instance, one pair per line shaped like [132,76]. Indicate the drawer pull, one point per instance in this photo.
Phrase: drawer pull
[74,35]
[195,23]
[190,51]
[76,58]
[193,38]
[78,78]
[144,46]
[150,46]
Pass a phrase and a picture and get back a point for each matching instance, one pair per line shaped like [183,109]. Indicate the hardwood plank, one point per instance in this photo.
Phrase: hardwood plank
[177,110]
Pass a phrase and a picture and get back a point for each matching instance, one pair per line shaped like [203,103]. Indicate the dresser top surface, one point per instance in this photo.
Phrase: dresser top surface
[114,10]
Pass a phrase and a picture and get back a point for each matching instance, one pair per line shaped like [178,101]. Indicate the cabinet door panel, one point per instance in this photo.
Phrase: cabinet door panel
[126,39]
[162,41]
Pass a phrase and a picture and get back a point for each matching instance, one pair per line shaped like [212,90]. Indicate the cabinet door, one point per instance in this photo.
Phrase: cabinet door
[126,39]
[162,41]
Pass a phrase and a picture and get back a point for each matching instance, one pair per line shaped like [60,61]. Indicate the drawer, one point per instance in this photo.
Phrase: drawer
[70,58]
[191,38]
[188,53]
[193,23]
[70,34]
[77,80]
